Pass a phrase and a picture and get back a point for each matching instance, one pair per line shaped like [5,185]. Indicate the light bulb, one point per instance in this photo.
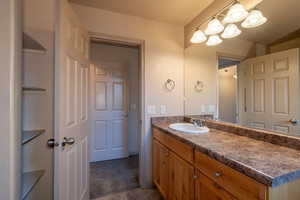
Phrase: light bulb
[254,19]
[214,40]
[214,27]
[236,13]
[231,31]
[198,37]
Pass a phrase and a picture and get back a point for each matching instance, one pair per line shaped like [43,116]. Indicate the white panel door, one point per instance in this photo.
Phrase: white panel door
[71,106]
[109,109]
[269,92]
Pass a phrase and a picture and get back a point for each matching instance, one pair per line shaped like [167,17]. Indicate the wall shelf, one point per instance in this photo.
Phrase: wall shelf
[32,46]
[30,179]
[34,51]
[35,89]
[29,135]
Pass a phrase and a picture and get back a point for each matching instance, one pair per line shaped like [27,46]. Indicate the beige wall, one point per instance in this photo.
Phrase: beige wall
[10,95]
[228,94]
[163,60]
[38,14]
[201,64]
[290,44]
[129,59]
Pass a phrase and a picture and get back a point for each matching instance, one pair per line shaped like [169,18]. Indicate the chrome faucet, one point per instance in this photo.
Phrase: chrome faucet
[197,122]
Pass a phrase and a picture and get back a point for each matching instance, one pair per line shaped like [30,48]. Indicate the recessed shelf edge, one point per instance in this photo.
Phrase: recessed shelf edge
[28,135]
[30,180]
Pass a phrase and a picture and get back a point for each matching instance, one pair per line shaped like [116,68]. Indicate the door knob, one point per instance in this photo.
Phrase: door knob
[68,141]
[51,143]
[293,121]
[218,174]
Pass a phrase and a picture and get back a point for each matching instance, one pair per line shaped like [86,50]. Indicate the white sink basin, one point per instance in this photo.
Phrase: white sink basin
[188,128]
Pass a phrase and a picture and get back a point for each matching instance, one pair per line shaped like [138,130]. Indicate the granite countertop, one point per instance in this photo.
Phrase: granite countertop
[269,164]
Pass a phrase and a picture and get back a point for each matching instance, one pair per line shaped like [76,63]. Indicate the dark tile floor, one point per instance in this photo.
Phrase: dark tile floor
[118,179]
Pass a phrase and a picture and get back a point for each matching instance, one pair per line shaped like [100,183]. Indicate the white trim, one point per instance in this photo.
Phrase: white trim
[10,119]
[56,172]
[142,99]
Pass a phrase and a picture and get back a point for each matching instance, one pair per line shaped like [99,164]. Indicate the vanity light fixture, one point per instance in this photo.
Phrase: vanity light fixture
[236,13]
[214,27]
[214,40]
[254,19]
[231,31]
[198,37]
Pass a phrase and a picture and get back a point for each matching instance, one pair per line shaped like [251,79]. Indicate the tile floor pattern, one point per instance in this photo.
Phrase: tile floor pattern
[118,180]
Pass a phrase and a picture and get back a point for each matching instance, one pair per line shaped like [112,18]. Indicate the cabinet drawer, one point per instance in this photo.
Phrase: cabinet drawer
[233,181]
[206,189]
[183,150]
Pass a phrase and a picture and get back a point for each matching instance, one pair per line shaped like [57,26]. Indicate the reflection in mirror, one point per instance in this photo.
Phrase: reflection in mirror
[253,79]
[228,95]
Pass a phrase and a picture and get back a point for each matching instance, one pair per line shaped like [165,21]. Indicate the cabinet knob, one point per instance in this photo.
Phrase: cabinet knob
[195,177]
[218,174]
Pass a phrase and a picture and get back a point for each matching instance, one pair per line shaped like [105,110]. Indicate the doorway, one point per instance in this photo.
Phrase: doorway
[227,89]
[115,116]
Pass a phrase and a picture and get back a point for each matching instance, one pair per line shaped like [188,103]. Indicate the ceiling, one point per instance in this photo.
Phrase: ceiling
[283,18]
[171,11]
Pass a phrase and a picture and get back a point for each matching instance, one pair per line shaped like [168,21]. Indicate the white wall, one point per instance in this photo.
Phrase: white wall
[129,59]
[201,64]
[228,94]
[10,95]
[163,60]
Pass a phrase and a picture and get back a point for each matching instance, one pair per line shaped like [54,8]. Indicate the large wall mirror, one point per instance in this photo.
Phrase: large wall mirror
[253,79]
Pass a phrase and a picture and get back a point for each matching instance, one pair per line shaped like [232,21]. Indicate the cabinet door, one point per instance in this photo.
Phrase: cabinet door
[156,162]
[181,181]
[164,171]
[161,167]
[206,189]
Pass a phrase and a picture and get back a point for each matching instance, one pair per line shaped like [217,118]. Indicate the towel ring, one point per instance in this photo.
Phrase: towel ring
[170,84]
[199,86]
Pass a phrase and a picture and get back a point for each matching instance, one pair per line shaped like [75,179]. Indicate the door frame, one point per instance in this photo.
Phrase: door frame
[11,96]
[142,89]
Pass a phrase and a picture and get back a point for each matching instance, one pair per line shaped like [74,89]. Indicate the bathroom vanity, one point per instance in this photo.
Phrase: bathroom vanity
[228,162]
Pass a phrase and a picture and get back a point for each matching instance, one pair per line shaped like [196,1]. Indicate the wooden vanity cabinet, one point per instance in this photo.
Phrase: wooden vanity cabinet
[180,172]
[174,174]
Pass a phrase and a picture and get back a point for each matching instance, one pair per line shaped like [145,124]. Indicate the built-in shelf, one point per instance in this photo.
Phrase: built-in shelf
[34,51]
[29,135]
[35,89]
[30,180]
[31,45]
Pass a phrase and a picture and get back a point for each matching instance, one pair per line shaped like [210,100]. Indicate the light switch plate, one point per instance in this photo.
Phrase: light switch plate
[211,108]
[151,109]
[203,108]
[163,109]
